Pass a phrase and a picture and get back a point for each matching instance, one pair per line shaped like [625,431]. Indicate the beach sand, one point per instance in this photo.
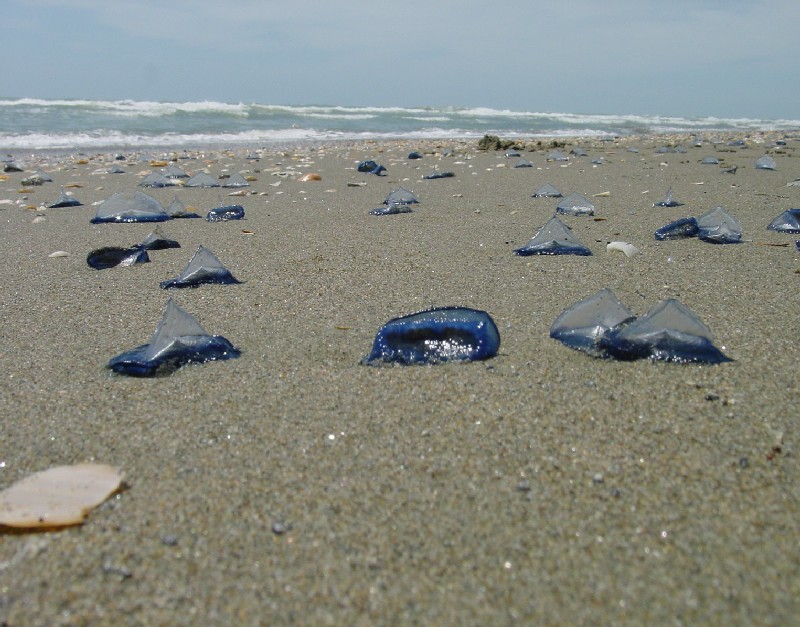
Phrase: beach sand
[294,485]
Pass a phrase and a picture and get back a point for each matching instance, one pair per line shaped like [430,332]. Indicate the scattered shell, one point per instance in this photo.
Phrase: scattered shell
[158,164]
[59,496]
[58,253]
[358,184]
[624,247]
[39,219]
[601,194]
[241,192]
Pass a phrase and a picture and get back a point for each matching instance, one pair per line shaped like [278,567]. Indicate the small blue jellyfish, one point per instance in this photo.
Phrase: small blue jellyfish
[178,340]
[719,227]
[390,209]
[554,238]
[370,167]
[65,200]
[156,240]
[415,155]
[223,214]
[679,229]
[435,336]
[203,268]
[439,175]
[668,201]
[787,222]
[113,256]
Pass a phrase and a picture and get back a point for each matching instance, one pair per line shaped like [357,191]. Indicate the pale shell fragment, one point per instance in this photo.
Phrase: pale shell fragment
[624,247]
[59,496]
[58,253]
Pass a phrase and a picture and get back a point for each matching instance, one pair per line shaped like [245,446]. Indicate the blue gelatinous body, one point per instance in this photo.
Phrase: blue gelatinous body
[370,167]
[204,267]
[670,331]
[415,155]
[390,209]
[112,256]
[436,335]
[787,222]
[178,339]
[439,175]
[222,214]
[680,229]
[191,349]
[554,238]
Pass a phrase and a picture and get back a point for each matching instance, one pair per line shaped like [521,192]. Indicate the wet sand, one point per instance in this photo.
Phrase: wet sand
[294,485]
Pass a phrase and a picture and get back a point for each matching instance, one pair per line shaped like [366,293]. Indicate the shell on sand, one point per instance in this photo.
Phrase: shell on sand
[58,497]
[311,176]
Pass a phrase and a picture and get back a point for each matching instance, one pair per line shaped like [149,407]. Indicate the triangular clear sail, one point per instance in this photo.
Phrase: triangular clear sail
[554,238]
[177,329]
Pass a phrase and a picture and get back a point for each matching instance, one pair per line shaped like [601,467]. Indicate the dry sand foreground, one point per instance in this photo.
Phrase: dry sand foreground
[293,485]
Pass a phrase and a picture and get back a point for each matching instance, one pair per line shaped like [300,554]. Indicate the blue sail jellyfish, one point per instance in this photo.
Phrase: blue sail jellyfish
[203,267]
[434,336]
[554,238]
[179,339]
[679,229]
[582,325]
[787,222]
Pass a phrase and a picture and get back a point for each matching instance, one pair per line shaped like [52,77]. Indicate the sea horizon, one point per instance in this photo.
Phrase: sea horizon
[36,124]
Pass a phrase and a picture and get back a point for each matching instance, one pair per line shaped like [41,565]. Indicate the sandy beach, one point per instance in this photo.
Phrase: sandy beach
[294,485]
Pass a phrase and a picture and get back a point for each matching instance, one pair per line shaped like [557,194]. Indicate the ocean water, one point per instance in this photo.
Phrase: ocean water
[34,124]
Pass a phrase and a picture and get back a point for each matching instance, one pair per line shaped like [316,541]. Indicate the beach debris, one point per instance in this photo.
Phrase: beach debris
[576,205]
[581,325]
[36,178]
[203,267]
[434,336]
[391,208]
[669,201]
[130,207]
[493,142]
[370,167]
[38,220]
[578,152]
[156,240]
[787,222]
[65,200]
[603,327]
[113,256]
[223,214]
[177,209]
[547,191]
[235,181]
[58,254]
[311,176]
[156,180]
[155,163]
[719,227]
[356,184]
[179,339]
[765,163]
[628,249]
[731,170]
[679,229]
[794,183]
[554,238]
[523,163]
[201,179]
[11,167]
[601,195]
[401,196]
[58,497]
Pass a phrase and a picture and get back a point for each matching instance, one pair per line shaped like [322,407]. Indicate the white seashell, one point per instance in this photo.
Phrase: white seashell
[624,247]
[39,219]
[58,253]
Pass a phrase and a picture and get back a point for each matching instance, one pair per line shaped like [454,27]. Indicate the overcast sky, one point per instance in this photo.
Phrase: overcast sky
[726,58]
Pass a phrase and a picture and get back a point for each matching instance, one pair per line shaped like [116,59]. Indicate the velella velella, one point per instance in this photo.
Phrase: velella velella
[113,256]
[554,238]
[223,214]
[765,163]
[401,196]
[578,152]
[719,227]
[581,325]
[523,163]
[669,201]
[439,175]
[177,209]
[434,336]
[173,171]
[557,155]
[203,267]
[156,240]
[370,167]
[787,222]
[547,191]
[201,179]
[235,181]
[390,209]
[576,205]
[709,161]
[511,152]
[65,200]
[679,229]
[157,180]
[179,339]
[415,155]
[602,326]
[127,207]
[670,331]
